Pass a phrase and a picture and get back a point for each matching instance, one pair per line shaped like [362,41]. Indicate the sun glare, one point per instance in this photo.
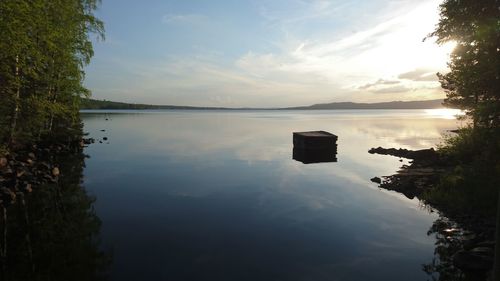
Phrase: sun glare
[445,113]
[402,49]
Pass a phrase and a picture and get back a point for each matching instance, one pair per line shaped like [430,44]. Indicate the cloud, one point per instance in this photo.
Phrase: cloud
[379,82]
[291,13]
[291,67]
[393,90]
[182,18]
[383,49]
[419,74]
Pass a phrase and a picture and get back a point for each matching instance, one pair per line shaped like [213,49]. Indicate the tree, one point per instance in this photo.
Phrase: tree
[473,83]
[44,47]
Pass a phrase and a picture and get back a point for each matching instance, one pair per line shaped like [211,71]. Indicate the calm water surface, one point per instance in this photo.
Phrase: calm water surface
[216,195]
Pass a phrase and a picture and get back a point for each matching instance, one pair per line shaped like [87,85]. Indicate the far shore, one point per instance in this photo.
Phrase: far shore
[92,104]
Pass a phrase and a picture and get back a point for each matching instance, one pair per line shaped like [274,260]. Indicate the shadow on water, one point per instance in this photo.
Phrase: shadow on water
[52,232]
[314,156]
[456,246]
[449,240]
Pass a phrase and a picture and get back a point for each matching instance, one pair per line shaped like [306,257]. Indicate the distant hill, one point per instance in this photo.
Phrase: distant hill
[427,104]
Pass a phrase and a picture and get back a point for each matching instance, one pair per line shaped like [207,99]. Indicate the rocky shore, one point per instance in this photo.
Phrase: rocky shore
[414,179]
[31,166]
[465,241]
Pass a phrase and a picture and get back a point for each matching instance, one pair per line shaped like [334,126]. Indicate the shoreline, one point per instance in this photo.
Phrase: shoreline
[468,237]
[25,168]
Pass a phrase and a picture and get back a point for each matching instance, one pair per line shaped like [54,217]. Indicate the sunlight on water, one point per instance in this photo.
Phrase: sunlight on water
[446,113]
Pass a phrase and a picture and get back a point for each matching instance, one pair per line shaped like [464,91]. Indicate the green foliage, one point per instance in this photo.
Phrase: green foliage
[468,189]
[44,47]
[472,186]
[472,145]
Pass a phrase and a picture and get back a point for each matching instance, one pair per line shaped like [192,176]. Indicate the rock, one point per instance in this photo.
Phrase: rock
[31,155]
[28,188]
[423,154]
[3,162]
[477,259]
[55,172]
[376,180]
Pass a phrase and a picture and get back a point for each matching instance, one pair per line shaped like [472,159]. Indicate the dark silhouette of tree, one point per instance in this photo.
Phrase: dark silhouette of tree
[473,84]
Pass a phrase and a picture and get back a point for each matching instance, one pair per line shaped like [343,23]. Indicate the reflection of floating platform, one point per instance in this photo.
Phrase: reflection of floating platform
[308,156]
[314,140]
[314,147]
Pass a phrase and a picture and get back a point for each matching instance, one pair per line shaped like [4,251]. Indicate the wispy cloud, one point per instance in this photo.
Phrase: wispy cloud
[300,12]
[379,82]
[393,90]
[419,74]
[384,50]
[183,18]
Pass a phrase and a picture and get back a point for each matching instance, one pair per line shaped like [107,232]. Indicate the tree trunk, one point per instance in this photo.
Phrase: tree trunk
[53,97]
[15,113]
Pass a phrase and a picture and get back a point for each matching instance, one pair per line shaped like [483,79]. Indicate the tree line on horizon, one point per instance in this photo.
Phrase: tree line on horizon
[44,48]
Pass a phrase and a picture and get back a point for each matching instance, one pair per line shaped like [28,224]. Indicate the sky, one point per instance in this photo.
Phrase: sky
[266,53]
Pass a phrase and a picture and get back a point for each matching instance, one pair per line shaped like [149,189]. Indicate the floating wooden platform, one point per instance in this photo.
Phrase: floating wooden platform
[314,140]
[314,147]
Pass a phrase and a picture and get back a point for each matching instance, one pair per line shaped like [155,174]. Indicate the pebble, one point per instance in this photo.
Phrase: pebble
[55,172]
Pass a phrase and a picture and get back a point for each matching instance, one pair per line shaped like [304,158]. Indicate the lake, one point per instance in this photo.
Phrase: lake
[216,195]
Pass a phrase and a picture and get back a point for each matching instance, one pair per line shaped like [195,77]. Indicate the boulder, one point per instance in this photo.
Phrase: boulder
[3,162]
